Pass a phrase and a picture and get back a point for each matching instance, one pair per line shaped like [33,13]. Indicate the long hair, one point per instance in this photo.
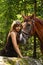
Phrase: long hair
[14,25]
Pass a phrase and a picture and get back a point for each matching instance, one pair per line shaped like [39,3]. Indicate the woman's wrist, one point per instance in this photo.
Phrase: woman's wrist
[21,56]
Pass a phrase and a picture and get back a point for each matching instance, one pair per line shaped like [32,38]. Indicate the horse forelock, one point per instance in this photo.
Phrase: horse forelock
[26,18]
[35,19]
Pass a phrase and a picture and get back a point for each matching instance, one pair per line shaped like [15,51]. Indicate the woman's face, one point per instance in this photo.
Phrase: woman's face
[18,28]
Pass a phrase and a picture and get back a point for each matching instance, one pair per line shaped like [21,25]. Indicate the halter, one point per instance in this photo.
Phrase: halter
[33,21]
[30,28]
[25,35]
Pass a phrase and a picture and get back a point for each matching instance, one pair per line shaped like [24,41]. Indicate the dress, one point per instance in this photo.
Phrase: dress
[9,50]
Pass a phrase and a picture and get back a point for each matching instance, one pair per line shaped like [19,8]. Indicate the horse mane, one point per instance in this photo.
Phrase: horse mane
[38,20]
[26,18]
[35,18]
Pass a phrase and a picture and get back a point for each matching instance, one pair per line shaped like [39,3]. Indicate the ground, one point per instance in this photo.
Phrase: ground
[18,61]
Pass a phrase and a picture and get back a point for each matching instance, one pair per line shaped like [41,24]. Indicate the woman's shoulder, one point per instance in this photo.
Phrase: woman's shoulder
[13,33]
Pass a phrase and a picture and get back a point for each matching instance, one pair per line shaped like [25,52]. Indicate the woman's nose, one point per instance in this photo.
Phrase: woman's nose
[19,28]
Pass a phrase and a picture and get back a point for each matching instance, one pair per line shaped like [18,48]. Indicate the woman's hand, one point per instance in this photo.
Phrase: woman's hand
[24,57]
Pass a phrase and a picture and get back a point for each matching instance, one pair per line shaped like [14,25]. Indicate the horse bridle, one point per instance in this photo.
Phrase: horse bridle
[25,35]
[29,34]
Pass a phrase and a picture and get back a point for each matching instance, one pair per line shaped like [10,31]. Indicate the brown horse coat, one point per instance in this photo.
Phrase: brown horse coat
[37,28]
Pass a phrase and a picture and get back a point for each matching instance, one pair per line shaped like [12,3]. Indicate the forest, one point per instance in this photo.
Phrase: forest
[12,10]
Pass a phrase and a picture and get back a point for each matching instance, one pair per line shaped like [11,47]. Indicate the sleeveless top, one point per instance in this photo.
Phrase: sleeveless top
[9,50]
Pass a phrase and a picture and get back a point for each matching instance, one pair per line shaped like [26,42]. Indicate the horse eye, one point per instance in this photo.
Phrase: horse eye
[28,24]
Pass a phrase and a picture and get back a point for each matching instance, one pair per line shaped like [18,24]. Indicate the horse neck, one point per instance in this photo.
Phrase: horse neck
[39,20]
[39,29]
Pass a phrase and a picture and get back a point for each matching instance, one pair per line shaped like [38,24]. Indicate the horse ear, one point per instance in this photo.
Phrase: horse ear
[33,15]
[25,17]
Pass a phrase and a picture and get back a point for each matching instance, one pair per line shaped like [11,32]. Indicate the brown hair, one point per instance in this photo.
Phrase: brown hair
[14,25]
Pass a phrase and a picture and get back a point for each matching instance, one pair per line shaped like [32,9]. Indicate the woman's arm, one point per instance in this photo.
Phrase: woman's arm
[14,41]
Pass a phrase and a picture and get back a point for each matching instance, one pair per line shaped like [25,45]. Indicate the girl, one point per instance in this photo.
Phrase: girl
[11,48]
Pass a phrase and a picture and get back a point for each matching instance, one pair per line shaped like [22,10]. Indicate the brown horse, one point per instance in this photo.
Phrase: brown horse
[37,28]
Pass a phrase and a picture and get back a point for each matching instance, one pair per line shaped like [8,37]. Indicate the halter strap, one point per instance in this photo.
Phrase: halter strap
[25,33]
[33,21]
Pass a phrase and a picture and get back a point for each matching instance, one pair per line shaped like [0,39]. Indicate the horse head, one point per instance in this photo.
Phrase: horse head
[28,24]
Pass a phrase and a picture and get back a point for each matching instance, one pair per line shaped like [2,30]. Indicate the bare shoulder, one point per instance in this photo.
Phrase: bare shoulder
[13,33]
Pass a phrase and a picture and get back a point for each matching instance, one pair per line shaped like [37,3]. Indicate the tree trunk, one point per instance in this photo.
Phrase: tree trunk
[35,10]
